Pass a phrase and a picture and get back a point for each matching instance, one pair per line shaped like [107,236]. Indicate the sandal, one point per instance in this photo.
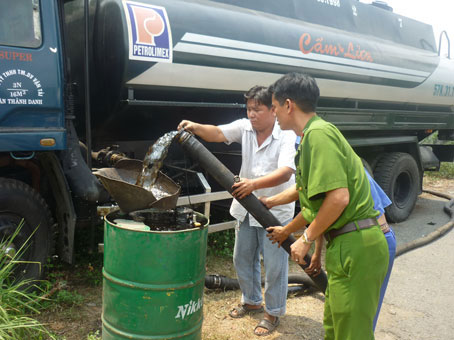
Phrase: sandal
[268,325]
[242,310]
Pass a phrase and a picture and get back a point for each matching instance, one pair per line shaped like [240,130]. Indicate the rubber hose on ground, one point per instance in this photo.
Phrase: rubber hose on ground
[449,209]
[223,282]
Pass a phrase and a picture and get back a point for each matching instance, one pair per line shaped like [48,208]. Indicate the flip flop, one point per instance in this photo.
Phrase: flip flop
[268,325]
[242,310]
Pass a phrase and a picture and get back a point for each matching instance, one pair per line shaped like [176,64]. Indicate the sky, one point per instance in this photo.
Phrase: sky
[438,13]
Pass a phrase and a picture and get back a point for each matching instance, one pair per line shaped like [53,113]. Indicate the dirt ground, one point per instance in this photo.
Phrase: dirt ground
[303,319]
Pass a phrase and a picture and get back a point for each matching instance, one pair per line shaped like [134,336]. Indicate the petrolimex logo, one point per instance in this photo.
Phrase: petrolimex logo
[150,38]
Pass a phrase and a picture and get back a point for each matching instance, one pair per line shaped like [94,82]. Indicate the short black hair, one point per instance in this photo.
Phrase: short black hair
[261,94]
[299,87]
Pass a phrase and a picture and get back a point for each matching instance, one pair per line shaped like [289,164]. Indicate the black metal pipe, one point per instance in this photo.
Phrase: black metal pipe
[252,204]
[87,81]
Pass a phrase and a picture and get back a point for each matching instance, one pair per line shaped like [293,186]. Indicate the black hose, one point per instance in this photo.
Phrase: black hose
[81,180]
[422,241]
[252,204]
[300,279]
[216,281]
[221,282]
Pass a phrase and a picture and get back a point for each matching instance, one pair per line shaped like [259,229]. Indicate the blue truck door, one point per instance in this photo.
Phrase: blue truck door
[31,77]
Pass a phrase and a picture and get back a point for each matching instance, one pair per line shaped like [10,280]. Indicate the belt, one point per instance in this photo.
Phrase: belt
[362,224]
[385,228]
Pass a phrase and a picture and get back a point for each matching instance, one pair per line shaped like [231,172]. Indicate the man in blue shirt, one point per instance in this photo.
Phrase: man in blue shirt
[381,201]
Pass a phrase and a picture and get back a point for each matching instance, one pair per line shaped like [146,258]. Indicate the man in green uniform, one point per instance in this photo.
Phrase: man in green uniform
[336,202]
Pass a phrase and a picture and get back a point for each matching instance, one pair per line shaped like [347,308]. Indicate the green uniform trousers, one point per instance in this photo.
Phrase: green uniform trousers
[356,263]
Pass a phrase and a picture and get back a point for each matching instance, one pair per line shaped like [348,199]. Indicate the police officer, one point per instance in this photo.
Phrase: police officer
[336,202]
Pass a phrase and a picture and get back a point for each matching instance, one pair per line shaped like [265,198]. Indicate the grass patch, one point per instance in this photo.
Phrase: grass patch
[68,298]
[87,269]
[94,336]
[19,300]
[67,280]
[221,243]
[446,171]
[446,168]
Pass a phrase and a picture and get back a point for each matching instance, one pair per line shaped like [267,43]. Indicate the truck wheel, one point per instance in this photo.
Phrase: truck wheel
[19,202]
[373,160]
[367,167]
[398,175]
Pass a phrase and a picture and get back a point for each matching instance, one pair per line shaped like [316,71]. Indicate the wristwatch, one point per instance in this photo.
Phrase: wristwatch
[306,239]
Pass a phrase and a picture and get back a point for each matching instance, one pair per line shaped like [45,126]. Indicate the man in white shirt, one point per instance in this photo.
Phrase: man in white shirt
[267,168]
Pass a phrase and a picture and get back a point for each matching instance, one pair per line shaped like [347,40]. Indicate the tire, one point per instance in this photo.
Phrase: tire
[18,201]
[367,167]
[372,160]
[398,175]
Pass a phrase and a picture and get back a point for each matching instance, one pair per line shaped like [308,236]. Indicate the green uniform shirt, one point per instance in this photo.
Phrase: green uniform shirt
[325,161]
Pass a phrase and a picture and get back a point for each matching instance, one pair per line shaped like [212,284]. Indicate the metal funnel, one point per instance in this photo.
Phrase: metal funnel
[120,183]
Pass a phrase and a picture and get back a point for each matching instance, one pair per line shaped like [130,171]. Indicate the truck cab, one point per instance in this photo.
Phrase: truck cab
[31,78]
[32,125]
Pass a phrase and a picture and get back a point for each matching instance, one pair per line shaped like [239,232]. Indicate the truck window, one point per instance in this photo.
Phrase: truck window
[20,23]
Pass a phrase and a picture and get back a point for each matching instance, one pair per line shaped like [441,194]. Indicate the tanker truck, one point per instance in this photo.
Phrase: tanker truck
[83,82]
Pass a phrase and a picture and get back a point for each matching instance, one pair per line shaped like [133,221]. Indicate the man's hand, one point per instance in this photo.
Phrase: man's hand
[299,249]
[315,266]
[266,201]
[187,125]
[243,188]
[209,133]
[277,234]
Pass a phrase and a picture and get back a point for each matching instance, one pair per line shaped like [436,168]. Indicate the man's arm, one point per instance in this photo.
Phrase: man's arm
[280,234]
[289,195]
[209,133]
[332,207]
[245,186]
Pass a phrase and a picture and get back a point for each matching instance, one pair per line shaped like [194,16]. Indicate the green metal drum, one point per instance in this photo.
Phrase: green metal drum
[153,282]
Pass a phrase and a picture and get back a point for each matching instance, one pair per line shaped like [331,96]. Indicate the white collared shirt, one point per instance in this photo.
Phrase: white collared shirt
[277,151]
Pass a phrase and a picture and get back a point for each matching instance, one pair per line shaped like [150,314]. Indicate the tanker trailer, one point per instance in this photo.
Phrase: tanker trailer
[144,65]
[382,81]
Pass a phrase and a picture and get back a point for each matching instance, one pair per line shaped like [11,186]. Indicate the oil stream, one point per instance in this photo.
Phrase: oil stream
[158,219]
[153,161]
